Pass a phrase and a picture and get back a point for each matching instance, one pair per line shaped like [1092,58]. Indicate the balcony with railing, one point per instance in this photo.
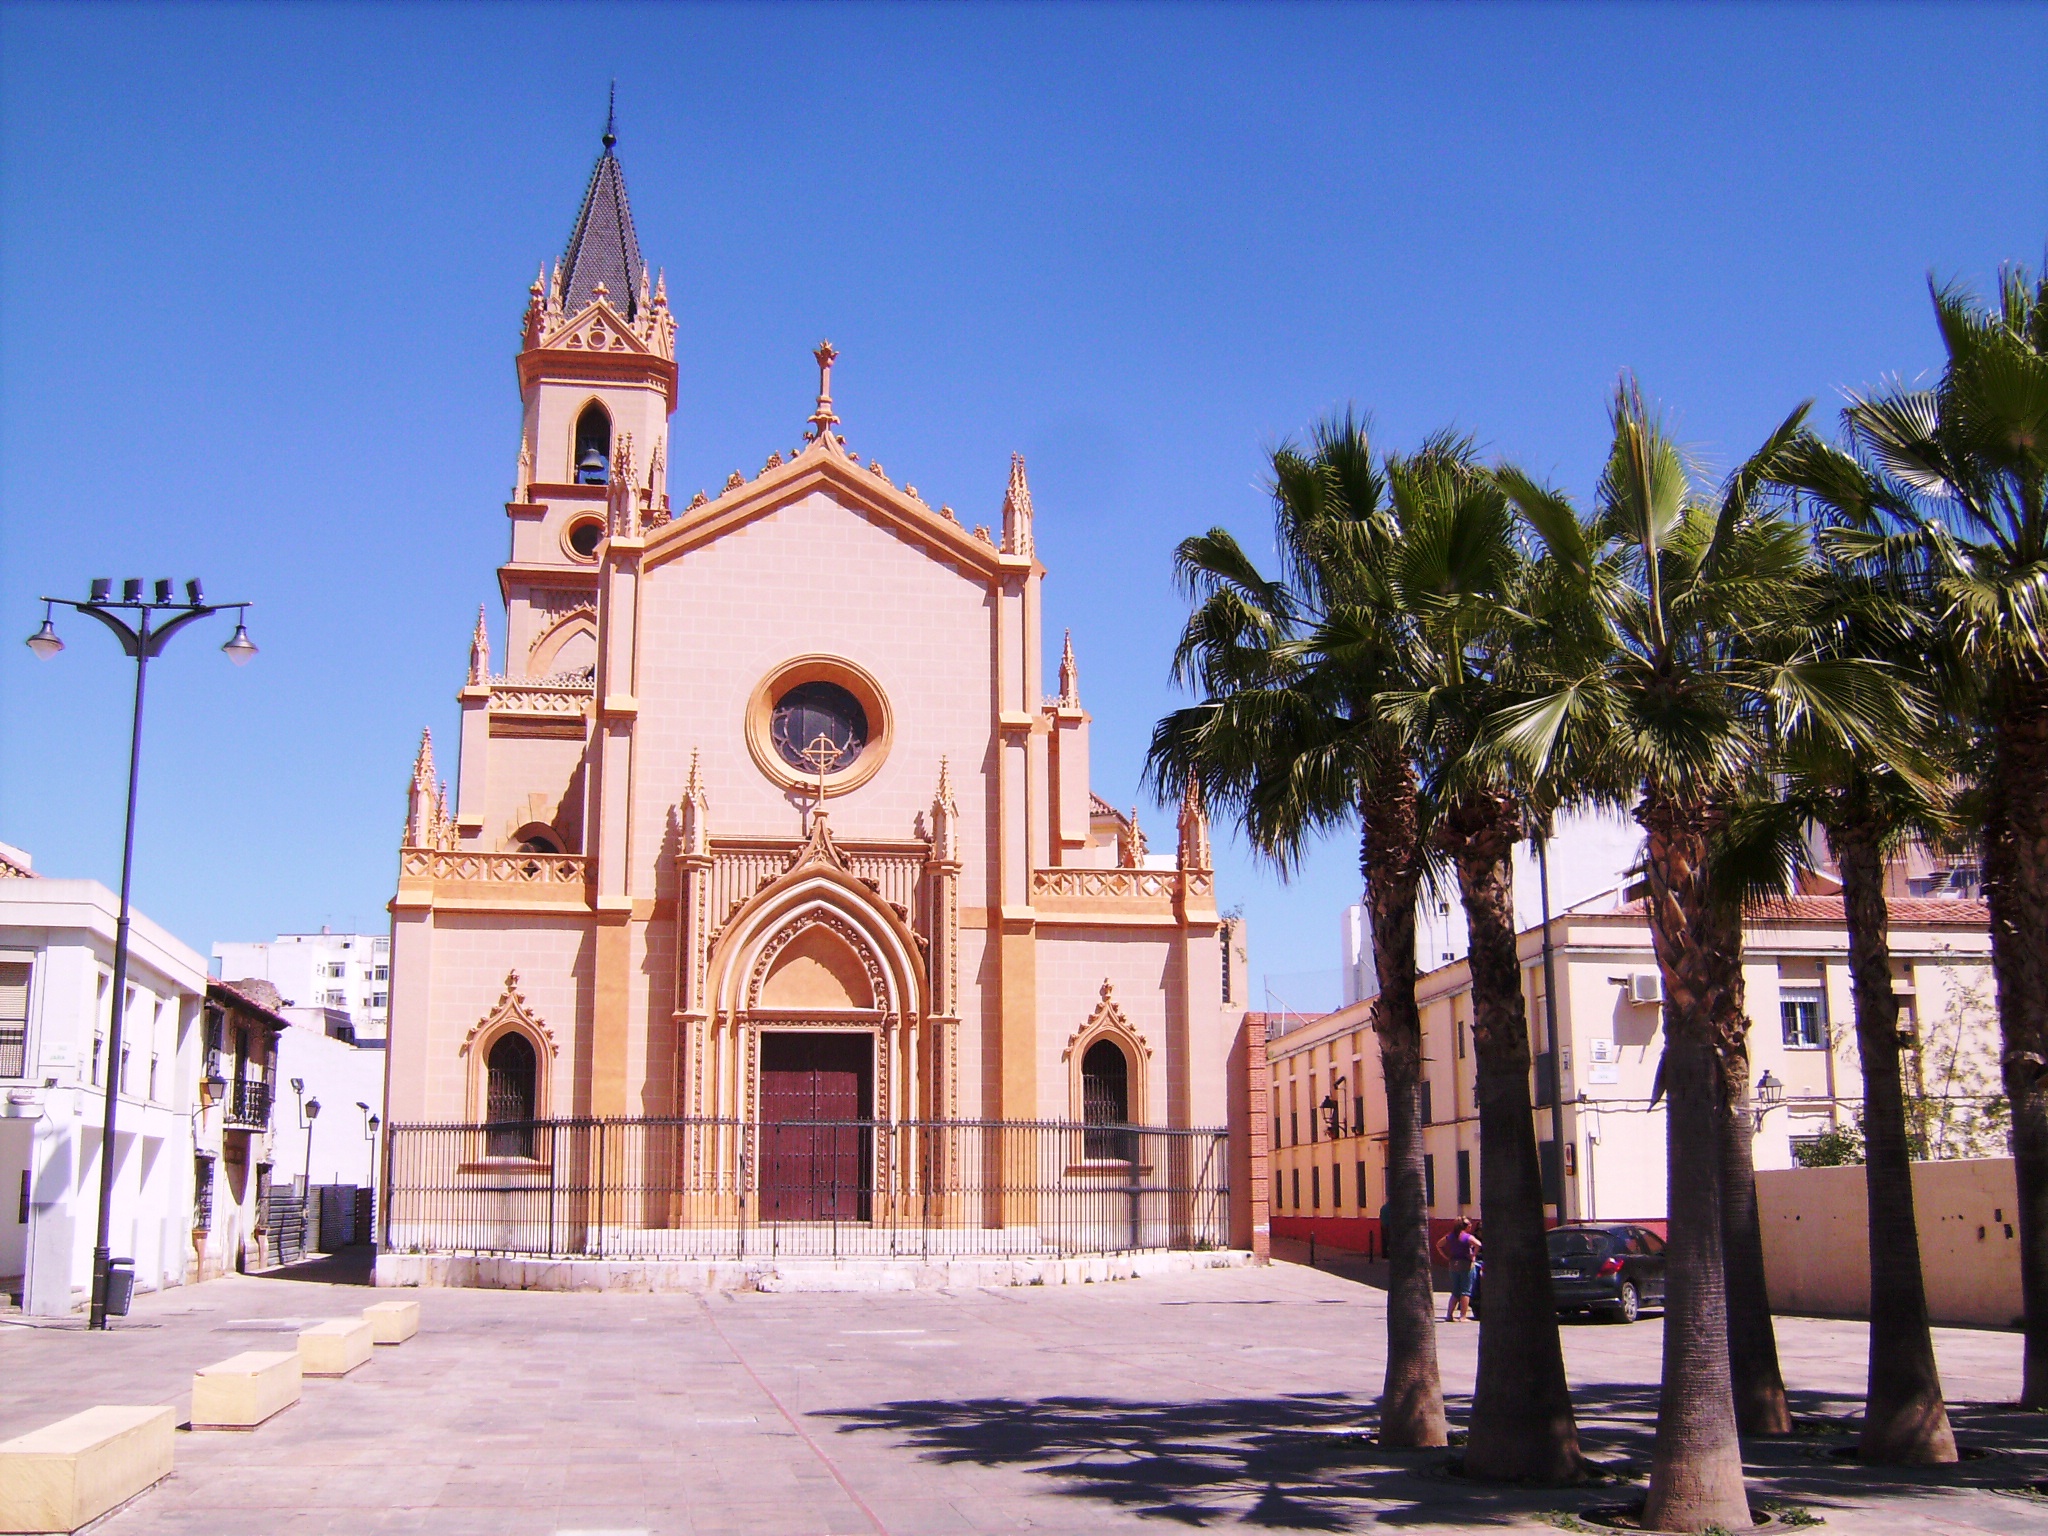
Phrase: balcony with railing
[248,1104]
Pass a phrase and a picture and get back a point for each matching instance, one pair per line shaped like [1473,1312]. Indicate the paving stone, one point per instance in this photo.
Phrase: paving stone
[1225,1398]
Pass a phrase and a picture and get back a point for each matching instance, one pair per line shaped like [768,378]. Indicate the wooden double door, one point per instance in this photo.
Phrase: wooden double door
[817,1151]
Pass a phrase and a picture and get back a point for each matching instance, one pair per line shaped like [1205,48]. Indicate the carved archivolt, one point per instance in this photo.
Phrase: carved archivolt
[878,981]
[511,1009]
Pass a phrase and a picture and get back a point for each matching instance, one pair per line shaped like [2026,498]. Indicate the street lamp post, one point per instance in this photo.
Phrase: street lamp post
[144,642]
[371,1124]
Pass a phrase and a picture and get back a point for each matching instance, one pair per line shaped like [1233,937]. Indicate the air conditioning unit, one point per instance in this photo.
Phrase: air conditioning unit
[1646,987]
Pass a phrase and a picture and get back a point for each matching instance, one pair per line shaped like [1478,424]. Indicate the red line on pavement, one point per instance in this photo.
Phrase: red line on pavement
[789,1418]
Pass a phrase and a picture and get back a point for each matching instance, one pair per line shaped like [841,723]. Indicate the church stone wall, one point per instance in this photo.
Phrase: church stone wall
[812,577]
[464,959]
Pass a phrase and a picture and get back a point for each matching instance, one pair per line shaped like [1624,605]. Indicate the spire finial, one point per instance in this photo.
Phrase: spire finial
[611,117]
[1070,676]
[822,419]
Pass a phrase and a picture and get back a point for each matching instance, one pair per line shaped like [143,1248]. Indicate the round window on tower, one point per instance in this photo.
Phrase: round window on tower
[583,536]
[818,714]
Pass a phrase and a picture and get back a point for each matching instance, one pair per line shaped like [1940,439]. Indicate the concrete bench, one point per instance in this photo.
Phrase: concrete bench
[68,1474]
[334,1348]
[243,1390]
[393,1322]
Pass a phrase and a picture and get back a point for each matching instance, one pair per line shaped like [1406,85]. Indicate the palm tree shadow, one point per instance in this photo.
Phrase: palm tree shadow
[1302,1462]
[1307,1462]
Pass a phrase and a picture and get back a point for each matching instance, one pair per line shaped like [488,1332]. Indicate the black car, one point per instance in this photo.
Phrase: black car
[1617,1269]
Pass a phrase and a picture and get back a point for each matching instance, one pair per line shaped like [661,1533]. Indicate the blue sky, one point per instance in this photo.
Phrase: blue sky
[262,267]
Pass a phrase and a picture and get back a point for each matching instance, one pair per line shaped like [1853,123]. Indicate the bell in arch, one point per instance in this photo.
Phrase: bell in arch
[593,469]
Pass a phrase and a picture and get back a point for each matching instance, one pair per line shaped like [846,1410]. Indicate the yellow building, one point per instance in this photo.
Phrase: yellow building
[1328,1101]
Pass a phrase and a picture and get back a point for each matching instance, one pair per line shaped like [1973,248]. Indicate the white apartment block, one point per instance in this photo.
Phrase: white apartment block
[56,980]
[348,974]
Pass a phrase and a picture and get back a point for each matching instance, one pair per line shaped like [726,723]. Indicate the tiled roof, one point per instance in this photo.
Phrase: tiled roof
[1097,806]
[1903,911]
[251,992]
[603,247]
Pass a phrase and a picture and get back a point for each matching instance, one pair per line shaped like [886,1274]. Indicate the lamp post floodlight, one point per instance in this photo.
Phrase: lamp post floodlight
[144,639]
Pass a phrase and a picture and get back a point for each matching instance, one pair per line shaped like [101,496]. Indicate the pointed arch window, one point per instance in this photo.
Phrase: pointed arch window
[510,1072]
[1106,1101]
[592,459]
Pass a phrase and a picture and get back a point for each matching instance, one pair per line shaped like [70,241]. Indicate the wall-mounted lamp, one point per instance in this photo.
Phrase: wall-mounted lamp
[1333,1111]
[1769,1093]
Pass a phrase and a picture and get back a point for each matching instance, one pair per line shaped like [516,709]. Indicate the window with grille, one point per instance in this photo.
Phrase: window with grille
[1464,1178]
[14,1019]
[509,1074]
[1106,1101]
[1803,1015]
[1429,1179]
[202,1194]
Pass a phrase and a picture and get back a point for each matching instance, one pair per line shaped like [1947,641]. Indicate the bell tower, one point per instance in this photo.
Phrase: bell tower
[597,382]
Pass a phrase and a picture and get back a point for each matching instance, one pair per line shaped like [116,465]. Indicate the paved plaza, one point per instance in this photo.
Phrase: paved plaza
[1221,1399]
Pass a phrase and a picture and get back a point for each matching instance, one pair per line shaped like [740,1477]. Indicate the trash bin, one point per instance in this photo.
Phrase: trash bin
[120,1286]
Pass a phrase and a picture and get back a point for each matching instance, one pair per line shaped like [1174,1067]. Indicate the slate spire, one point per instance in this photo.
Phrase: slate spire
[603,247]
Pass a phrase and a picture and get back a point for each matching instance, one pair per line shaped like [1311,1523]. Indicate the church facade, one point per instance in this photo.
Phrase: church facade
[762,804]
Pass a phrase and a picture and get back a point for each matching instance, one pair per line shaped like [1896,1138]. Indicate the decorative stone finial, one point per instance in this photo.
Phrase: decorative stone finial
[822,419]
[480,651]
[1194,852]
[1070,676]
[1017,535]
[1132,851]
[696,811]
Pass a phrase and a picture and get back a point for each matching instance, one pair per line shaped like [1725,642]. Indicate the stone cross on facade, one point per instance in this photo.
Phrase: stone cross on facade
[822,755]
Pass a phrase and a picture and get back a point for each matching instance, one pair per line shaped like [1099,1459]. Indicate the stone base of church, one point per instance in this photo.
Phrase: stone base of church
[506,1273]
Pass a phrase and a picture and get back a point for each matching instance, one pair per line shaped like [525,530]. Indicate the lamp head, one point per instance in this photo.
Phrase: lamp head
[298,1085]
[44,642]
[101,588]
[312,1109]
[1768,1088]
[240,649]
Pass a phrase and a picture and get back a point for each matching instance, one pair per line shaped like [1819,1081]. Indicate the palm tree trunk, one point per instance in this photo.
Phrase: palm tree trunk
[1905,1421]
[1522,1424]
[2016,885]
[1696,1464]
[1754,1374]
[1390,858]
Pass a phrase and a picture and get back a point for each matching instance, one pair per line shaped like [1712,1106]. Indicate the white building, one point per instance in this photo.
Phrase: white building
[1590,853]
[348,973]
[346,1079]
[56,979]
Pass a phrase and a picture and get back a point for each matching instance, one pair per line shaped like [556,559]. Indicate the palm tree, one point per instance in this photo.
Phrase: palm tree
[1289,733]
[1757,848]
[1869,804]
[1683,705]
[1476,601]
[1973,451]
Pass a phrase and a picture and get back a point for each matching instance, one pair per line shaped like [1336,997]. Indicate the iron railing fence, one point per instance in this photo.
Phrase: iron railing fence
[729,1189]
